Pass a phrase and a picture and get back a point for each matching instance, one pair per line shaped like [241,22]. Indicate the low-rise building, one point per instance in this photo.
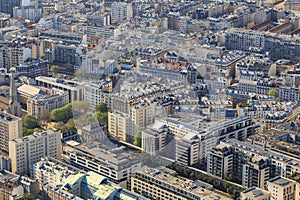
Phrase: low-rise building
[158,183]
[255,194]
[114,163]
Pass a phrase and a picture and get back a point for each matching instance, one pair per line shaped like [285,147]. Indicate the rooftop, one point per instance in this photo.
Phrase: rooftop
[193,187]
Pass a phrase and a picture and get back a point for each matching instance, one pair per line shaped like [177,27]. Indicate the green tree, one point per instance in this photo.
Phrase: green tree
[138,138]
[54,69]
[62,114]
[102,107]
[29,122]
[102,117]
[273,92]
[27,196]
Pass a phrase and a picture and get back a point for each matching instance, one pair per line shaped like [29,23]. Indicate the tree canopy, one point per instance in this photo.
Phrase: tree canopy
[138,138]
[62,114]
[29,122]
[273,93]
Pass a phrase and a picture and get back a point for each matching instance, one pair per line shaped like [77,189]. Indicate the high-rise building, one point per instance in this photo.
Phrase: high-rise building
[119,125]
[187,149]
[10,128]
[121,11]
[26,151]
[7,6]
[154,139]
[220,161]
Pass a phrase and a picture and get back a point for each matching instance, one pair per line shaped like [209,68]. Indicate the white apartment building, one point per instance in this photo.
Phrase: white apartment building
[51,171]
[26,151]
[121,11]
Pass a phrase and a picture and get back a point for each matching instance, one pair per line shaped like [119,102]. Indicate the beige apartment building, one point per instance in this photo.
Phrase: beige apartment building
[10,128]
[283,189]
[26,151]
[255,193]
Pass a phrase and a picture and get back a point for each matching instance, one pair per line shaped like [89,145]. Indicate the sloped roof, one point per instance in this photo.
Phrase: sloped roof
[30,90]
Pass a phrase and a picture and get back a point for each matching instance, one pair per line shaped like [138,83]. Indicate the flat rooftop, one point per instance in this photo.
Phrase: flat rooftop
[190,186]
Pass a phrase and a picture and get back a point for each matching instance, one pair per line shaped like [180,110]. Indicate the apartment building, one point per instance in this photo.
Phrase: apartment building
[40,106]
[240,128]
[10,189]
[7,6]
[278,46]
[220,161]
[97,92]
[121,11]
[255,194]
[119,125]
[245,164]
[187,149]
[154,139]
[33,69]
[26,151]
[283,188]
[52,172]
[105,32]
[92,132]
[124,126]
[67,54]
[256,172]
[160,183]
[10,128]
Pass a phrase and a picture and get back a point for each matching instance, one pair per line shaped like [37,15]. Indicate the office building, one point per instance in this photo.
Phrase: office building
[26,151]
[10,128]
[160,183]
[75,89]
